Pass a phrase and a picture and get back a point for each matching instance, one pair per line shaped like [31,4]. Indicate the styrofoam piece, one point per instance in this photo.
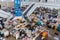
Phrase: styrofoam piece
[14,33]
[5,14]
[17,35]
[56,38]
[14,23]
[28,33]
[5,32]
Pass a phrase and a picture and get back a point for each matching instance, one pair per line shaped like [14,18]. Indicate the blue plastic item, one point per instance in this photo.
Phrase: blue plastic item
[58,27]
[17,7]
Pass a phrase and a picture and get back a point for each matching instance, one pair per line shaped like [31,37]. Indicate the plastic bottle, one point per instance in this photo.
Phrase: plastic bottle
[56,38]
